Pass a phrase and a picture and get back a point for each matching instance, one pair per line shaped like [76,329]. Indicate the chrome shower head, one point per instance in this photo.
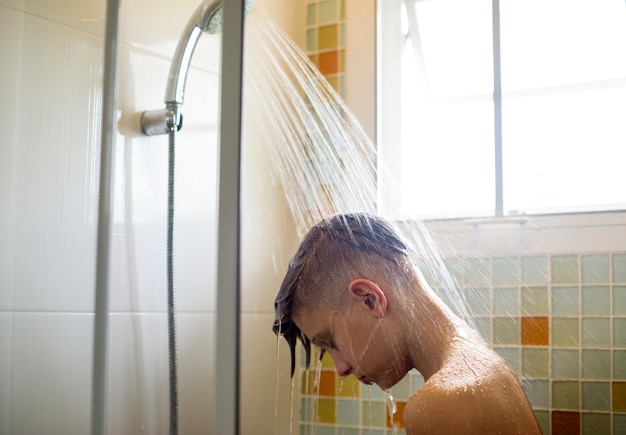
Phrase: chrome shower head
[206,18]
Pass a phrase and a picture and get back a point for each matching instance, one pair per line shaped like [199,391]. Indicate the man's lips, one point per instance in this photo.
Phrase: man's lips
[365,380]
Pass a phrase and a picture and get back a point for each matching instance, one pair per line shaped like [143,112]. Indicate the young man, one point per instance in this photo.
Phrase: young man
[353,290]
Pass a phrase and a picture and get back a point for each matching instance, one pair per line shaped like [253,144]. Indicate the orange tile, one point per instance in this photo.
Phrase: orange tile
[565,423]
[535,331]
[397,417]
[328,383]
[328,63]
[619,396]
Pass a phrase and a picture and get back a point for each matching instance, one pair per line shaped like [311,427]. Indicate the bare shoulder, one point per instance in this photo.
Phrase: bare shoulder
[476,397]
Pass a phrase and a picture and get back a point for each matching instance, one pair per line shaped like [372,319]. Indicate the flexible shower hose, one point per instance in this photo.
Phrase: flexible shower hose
[171,312]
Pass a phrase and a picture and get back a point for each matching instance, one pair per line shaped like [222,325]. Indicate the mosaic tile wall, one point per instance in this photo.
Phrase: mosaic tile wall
[325,40]
[559,320]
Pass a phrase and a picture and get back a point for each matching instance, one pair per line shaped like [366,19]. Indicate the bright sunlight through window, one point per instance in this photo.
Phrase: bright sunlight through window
[510,107]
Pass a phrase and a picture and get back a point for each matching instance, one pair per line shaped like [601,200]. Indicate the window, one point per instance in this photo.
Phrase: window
[500,108]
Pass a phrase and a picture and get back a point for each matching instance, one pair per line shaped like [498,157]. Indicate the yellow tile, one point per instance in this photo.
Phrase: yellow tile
[328,37]
[326,411]
[349,387]
[334,82]
[619,396]
[308,382]
[327,361]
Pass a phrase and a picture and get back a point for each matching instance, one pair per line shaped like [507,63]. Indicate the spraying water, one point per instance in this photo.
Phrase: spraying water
[323,160]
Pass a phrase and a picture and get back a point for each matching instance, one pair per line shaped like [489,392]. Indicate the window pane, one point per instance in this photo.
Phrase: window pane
[565,151]
[447,110]
[564,104]
[556,42]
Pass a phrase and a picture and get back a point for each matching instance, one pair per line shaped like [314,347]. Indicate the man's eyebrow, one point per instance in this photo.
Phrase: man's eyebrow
[321,337]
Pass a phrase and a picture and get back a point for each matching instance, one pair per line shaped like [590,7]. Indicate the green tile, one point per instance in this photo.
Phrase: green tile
[325,430]
[619,424]
[596,300]
[595,268]
[565,332]
[619,300]
[535,362]
[417,380]
[342,35]
[372,392]
[535,270]
[402,390]
[564,269]
[565,301]
[454,266]
[596,364]
[511,355]
[311,14]
[483,326]
[619,332]
[306,409]
[506,330]
[596,423]
[565,395]
[535,301]
[348,412]
[373,414]
[329,13]
[538,392]
[619,364]
[619,267]
[311,40]
[505,270]
[506,301]
[596,332]
[477,272]
[478,301]
[543,418]
[565,364]
[596,396]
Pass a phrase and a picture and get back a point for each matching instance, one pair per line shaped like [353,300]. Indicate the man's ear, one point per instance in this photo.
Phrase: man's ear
[369,293]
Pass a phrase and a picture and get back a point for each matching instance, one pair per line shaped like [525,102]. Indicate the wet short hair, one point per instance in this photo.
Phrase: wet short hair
[333,244]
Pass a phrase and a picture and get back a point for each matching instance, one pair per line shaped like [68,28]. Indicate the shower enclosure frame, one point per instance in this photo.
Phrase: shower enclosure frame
[228,269]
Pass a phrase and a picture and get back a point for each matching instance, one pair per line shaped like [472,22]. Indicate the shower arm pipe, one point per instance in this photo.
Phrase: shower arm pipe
[161,121]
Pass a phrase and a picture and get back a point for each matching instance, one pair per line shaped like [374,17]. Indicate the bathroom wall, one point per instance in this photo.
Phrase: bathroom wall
[49,166]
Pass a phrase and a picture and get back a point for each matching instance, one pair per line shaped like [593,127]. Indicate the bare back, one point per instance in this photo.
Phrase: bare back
[475,392]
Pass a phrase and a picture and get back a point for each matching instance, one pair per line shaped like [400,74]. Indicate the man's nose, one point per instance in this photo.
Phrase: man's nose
[342,367]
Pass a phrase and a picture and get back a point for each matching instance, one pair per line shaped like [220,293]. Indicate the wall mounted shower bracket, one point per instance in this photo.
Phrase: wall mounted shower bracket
[162,121]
